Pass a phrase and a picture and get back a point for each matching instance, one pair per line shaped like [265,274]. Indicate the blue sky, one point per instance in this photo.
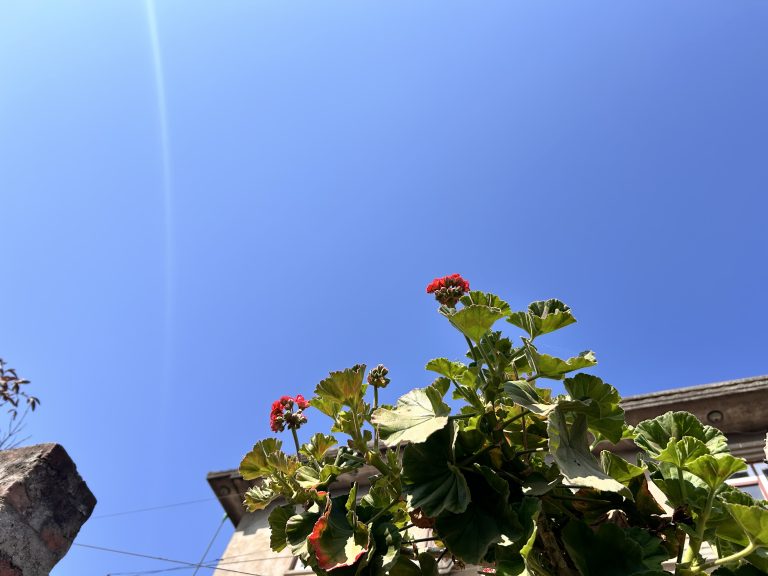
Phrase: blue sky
[179,254]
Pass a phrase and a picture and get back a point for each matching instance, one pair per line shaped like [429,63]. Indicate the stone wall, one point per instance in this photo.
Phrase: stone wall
[43,504]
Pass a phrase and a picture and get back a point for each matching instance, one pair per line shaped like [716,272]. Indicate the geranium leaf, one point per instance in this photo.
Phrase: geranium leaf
[259,497]
[753,521]
[620,551]
[297,530]
[310,477]
[475,321]
[455,371]
[542,317]
[265,458]
[604,415]
[387,538]
[470,534]
[619,469]
[547,366]
[715,470]
[569,446]
[527,395]
[476,297]
[434,484]
[344,387]
[680,452]
[415,416]
[428,564]
[278,519]
[653,435]
[318,446]
[334,541]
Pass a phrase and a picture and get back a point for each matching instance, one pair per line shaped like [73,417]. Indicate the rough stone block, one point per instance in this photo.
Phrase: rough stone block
[43,504]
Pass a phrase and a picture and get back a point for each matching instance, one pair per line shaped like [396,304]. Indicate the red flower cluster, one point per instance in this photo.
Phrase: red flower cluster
[448,289]
[283,413]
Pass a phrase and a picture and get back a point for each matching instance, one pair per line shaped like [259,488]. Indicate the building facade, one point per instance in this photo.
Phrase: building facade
[738,407]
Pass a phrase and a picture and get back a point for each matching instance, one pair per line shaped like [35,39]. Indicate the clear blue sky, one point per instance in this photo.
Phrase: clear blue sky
[325,160]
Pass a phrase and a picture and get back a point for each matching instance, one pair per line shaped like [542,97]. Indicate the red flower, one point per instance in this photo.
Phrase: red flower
[448,289]
[283,413]
[301,403]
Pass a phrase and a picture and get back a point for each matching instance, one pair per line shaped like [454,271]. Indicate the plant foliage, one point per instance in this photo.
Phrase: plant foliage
[509,480]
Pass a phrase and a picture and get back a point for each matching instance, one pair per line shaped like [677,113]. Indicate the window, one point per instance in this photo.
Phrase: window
[753,480]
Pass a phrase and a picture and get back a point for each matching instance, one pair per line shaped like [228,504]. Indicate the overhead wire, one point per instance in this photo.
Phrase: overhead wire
[208,548]
[152,508]
[160,558]
[224,560]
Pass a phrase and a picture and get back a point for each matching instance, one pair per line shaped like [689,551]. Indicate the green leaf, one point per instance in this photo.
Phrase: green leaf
[569,447]
[542,317]
[310,477]
[475,321]
[265,458]
[387,538]
[619,469]
[691,492]
[258,497]
[604,415]
[344,387]
[680,452]
[555,368]
[753,521]
[476,297]
[415,416]
[512,558]
[743,570]
[404,567]
[470,534]
[433,482]
[455,371]
[653,435]
[428,564]
[715,470]
[298,529]
[278,519]
[441,385]
[334,541]
[318,446]
[621,552]
[528,396]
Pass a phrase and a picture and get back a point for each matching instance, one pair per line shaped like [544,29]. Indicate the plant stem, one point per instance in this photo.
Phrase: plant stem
[381,513]
[420,540]
[694,543]
[751,547]
[462,416]
[376,428]
[514,418]
[477,361]
[295,440]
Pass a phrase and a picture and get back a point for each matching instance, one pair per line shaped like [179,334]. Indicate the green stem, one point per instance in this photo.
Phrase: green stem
[376,428]
[751,547]
[477,362]
[381,513]
[694,543]
[462,416]
[513,419]
[480,452]
[295,440]
[432,539]
[358,433]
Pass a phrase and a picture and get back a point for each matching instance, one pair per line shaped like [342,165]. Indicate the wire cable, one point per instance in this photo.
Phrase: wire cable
[160,558]
[152,508]
[208,548]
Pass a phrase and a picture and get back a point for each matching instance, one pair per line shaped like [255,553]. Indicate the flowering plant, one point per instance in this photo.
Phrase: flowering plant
[509,480]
